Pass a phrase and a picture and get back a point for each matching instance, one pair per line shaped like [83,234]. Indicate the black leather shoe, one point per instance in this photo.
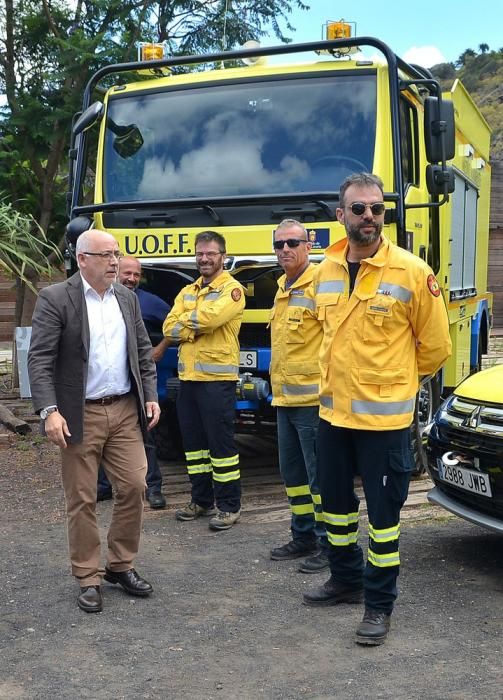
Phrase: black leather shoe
[332,593]
[130,581]
[89,599]
[374,627]
[156,500]
[312,565]
[104,496]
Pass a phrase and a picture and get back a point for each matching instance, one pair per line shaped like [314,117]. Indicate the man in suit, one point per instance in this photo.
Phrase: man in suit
[93,382]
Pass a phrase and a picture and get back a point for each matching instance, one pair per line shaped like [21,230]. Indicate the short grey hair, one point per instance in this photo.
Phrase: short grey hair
[360,180]
[286,223]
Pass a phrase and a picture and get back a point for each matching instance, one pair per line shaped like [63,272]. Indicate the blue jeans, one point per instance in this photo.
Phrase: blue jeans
[297,434]
[154,476]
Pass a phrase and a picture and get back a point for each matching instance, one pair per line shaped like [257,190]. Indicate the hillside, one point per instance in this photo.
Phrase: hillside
[482,75]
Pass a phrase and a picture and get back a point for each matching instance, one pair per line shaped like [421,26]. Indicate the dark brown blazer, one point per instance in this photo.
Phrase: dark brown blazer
[59,352]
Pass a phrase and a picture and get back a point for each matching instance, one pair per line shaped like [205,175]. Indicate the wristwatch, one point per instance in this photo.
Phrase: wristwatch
[47,411]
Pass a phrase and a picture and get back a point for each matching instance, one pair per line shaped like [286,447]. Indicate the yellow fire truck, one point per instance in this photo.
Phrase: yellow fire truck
[179,145]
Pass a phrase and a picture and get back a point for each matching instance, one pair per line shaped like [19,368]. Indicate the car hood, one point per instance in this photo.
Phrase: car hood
[485,386]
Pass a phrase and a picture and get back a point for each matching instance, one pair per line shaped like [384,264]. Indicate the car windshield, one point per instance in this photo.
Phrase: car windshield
[236,139]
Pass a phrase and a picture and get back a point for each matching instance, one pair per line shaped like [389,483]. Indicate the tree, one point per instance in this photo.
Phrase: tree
[465,56]
[483,48]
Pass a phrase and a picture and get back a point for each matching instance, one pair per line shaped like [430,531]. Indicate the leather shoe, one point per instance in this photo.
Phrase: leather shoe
[156,500]
[332,593]
[90,599]
[374,627]
[312,565]
[104,496]
[130,581]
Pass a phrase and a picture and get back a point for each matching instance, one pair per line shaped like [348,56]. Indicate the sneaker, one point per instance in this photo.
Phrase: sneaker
[192,511]
[223,521]
[312,565]
[374,627]
[294,550]
[332,593]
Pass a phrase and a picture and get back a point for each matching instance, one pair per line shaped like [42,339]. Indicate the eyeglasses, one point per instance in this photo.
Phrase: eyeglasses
[292,243]
[107,254]
[359,208]
[212,254]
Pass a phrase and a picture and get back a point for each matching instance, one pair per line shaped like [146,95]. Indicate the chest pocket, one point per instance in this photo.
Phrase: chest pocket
[295,331]
[380,314]
[327,312]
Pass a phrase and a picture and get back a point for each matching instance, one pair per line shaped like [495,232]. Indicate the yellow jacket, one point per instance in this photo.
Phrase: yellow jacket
[296,335]
[378,341]
[206,321]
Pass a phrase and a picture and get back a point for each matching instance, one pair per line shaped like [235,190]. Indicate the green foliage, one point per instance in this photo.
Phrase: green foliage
[24,248]
[482,75]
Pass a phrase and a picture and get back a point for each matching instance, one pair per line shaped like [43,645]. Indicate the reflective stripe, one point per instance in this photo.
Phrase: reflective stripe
[316,498]
[225,461]
[302,509]
[199,468]
[175,333]
[226,476]
[341,519]
[293,491]
[387,535]
[319,517]
[383,560]
[212,295]
[193,320]
[299,389]
[215,369]
[327,402]
[189,297]
[330,287]
[181,367]
[302,301]
[395,291]
[379,408]
[342,540]
[200,454]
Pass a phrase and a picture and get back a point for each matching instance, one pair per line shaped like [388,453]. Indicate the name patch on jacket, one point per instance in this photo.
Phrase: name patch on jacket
[297,293]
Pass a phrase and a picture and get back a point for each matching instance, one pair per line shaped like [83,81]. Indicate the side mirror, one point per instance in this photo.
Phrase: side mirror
[437,179]
[88,118]
[439,129]
[75,227]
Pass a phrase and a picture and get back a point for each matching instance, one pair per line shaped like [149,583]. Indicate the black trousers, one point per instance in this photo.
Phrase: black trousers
[384,461]
[206,413]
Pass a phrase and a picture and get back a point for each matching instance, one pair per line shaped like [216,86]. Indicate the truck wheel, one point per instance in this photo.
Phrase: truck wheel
[427,402]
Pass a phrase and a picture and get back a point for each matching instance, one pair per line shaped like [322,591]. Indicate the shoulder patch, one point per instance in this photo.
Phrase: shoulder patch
[433,285]
[236,294]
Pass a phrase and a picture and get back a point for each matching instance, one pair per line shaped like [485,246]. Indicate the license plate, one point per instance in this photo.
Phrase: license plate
[248,359]
[466,479]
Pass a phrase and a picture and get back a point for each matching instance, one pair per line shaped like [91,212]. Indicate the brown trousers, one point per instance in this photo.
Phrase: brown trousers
[112,436]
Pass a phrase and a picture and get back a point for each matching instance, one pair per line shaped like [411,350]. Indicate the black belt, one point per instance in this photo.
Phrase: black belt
[107,400]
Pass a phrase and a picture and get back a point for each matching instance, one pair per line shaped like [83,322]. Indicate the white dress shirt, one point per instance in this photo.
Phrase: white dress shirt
[108,372]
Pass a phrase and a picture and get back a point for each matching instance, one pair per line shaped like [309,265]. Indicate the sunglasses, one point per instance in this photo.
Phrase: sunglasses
[359,208]
[292,243]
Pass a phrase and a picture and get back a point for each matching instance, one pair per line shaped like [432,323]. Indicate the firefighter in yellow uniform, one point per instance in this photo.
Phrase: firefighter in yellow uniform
[205,321]
[385,325]
[296,336]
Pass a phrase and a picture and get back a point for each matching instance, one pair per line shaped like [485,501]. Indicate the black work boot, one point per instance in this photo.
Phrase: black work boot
[332,593]
[294,550]
[374,627]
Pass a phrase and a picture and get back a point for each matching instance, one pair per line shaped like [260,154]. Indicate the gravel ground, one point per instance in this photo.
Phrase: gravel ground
[227,622]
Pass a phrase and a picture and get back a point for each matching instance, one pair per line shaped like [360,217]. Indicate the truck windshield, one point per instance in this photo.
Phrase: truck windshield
[236,139]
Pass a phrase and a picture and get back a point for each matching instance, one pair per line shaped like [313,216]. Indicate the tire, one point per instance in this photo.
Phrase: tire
[427,402]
